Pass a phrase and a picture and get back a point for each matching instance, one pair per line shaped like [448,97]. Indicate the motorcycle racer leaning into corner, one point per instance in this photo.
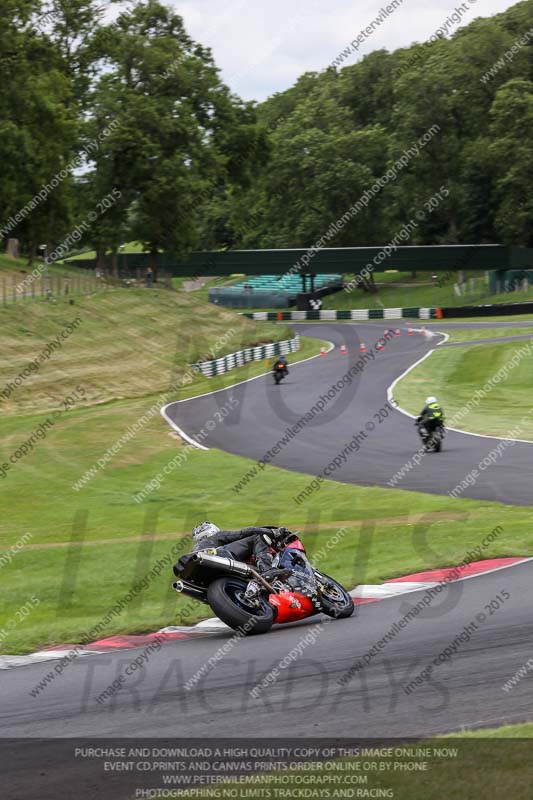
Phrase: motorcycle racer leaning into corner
[241,545]
[431,416]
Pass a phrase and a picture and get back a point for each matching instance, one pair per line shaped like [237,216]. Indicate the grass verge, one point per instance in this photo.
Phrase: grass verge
[487,333]
[523,730]
[426,296]
[428,769]
[455,374]
[126,344]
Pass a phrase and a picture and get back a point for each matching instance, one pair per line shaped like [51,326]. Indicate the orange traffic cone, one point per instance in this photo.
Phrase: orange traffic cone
[397,332]
[362,347]
[344,350]
[323,351]
[379,346]
[409,331]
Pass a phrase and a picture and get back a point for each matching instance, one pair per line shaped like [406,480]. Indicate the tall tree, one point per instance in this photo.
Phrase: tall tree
[178,132]
[37,134]
[511,123]
[318,169]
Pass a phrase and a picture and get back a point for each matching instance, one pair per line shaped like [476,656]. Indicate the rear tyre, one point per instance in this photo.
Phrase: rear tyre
[436,441]
[226,598]
[334,599]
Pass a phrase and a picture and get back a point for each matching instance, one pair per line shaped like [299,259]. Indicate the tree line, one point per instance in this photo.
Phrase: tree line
[125,130]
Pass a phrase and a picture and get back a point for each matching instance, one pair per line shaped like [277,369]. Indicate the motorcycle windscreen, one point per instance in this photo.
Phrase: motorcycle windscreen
[303,576]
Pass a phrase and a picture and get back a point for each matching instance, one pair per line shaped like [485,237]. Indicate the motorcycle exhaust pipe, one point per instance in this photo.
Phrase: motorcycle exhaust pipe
[190,591]
[216,562]
[235,567]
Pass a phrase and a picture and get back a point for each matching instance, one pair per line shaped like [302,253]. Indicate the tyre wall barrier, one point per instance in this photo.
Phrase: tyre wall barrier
[360,314]
[220,365]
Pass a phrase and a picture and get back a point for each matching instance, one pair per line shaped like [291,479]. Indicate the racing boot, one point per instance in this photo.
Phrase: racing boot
[275,574]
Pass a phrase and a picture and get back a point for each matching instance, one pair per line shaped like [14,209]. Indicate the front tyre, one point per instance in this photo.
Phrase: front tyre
[334,599]
[226,598]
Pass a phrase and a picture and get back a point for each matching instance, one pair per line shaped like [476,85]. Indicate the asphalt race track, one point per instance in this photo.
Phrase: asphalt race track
[307,698]
[264,411]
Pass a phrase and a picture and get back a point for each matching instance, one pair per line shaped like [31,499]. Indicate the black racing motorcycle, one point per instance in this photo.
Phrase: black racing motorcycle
[301,590]
[431,437]
[279,372]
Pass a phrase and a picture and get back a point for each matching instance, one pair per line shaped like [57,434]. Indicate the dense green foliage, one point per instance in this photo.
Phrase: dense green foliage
[125,126]
[126,130]
[335,132]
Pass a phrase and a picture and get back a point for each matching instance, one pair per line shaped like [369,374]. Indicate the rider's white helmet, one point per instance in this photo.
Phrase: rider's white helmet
[204,530]
[430,400]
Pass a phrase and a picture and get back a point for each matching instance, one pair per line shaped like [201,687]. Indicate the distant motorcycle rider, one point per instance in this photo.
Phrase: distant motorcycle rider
[281,364]
[431,417]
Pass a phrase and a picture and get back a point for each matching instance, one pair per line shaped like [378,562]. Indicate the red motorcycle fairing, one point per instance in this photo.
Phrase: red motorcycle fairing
[290,606]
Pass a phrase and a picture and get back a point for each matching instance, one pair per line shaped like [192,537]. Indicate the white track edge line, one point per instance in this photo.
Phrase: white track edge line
[457,580]
[390,388]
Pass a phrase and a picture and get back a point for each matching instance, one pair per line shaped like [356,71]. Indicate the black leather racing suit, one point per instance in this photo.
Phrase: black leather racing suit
[240,545]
